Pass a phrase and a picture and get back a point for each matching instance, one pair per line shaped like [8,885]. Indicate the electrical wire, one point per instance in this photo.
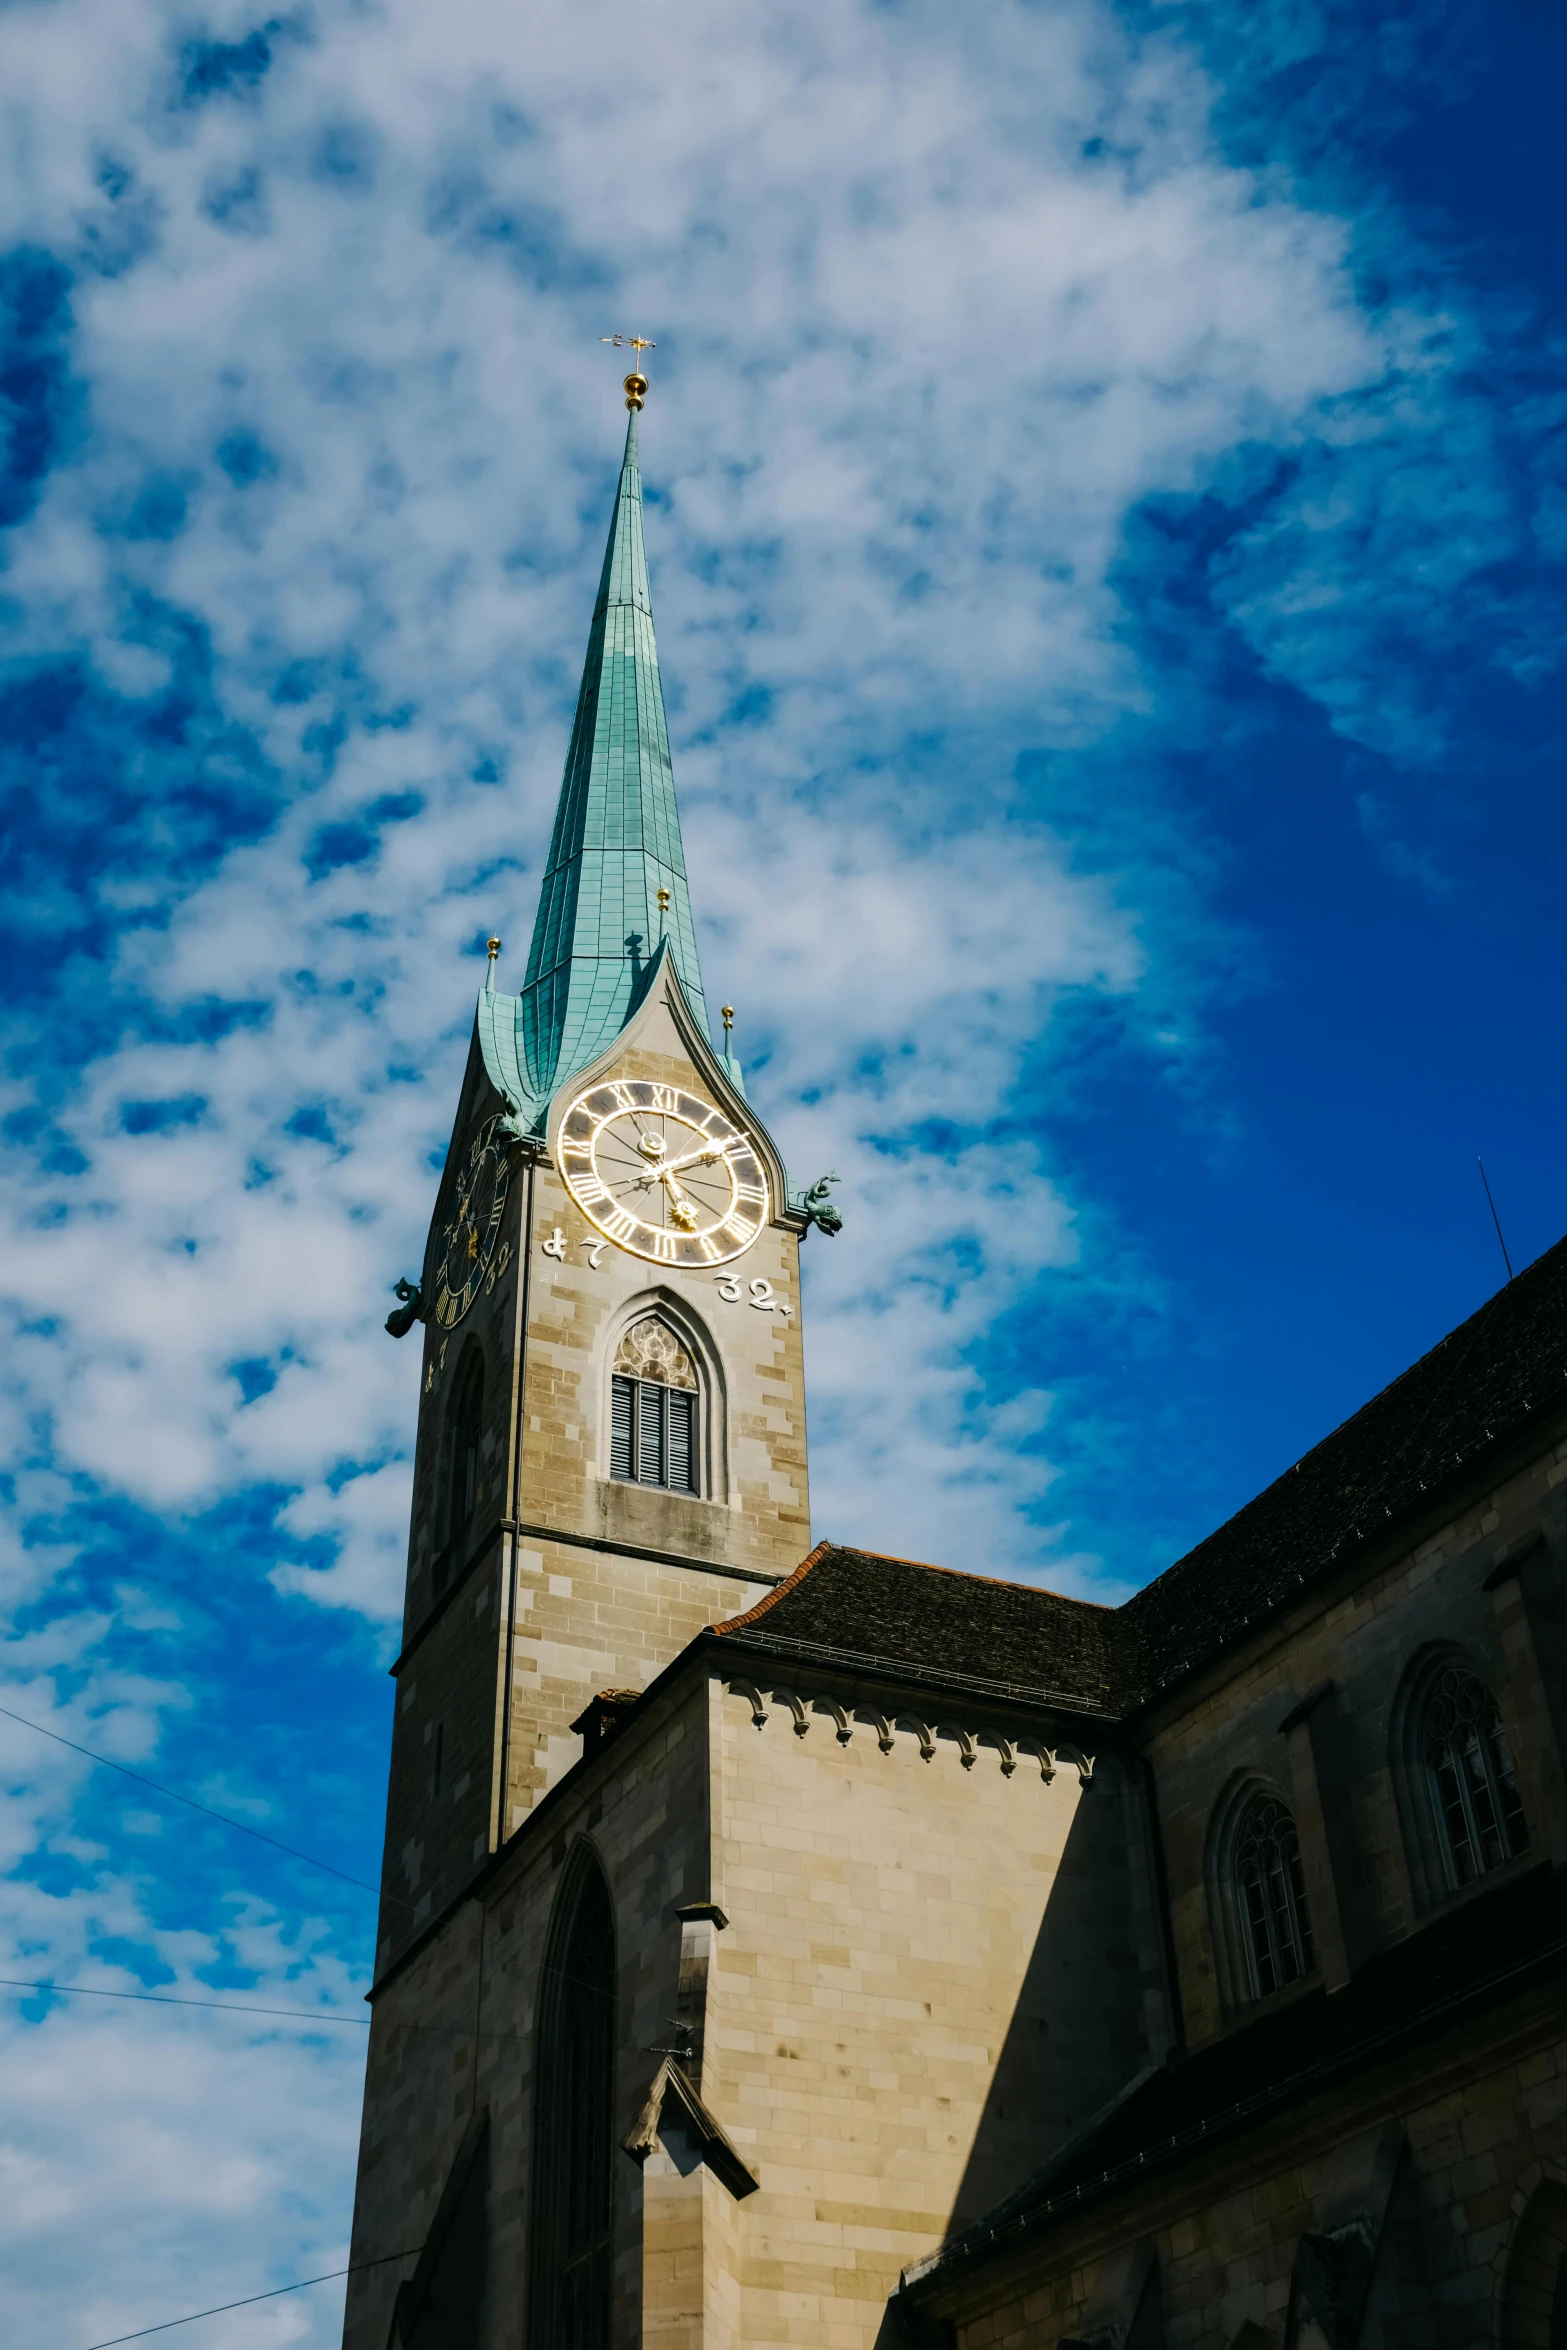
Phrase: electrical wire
[251,2299]
[303,2015]
[107,1763]
[308,2016]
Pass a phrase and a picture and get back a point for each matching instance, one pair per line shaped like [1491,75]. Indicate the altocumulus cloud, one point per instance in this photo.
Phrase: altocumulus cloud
[308,438]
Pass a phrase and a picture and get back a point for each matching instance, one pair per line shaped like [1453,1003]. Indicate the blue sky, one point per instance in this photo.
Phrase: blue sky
[1107,520]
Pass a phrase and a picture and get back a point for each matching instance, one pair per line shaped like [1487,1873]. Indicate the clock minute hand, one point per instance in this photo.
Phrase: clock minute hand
[707,1150]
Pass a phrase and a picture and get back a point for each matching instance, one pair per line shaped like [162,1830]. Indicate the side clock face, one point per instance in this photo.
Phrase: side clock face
[471,1233]
[662,1173]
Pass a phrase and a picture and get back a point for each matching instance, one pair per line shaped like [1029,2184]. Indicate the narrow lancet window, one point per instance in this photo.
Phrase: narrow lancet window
[574,2178]
[1272,1896]
[1474,1788]
[460,1502]
[654,1401]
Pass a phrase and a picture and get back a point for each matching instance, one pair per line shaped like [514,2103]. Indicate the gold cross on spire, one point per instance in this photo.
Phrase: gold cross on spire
[636,381]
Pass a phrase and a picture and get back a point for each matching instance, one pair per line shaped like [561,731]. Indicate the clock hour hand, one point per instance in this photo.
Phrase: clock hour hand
[679,1206]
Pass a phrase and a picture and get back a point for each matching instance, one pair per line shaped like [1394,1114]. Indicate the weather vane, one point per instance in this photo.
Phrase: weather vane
[636,381]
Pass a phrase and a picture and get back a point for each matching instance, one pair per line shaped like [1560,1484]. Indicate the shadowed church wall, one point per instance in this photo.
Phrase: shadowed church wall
[1345,1658]
[1484,2117]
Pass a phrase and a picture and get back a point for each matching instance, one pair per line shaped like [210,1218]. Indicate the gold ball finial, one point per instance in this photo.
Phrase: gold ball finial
[729,1017]
[663,901]
[636,381]
[492,947]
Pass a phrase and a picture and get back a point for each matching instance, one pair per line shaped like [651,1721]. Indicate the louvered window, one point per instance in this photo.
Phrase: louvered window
[652,1434]
[682,1443]
[623,1432]
[653,1411]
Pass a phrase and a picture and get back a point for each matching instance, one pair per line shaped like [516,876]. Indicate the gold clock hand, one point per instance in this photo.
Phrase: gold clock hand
[679,1206]
[708,1151]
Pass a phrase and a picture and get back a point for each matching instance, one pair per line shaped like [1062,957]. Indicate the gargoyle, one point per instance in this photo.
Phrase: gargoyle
[402,1318]
[819,1207]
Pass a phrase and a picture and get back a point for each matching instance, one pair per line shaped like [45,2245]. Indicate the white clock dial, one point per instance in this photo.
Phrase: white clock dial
[662,1173]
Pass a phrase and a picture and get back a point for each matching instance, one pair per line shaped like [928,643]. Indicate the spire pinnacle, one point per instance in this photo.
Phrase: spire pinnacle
[636,381]
[614,893]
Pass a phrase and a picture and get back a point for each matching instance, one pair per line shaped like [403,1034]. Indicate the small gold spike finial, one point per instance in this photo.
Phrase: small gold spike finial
[729,1017]
[636,381]
[492,947]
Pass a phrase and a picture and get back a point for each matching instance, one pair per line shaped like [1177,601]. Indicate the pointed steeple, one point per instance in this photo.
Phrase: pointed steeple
[615,885]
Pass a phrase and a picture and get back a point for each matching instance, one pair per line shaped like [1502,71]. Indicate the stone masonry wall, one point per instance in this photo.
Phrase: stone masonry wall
[930,1974]
[585,1617]
[1363,1639]
[644,1812]
[1485,2115]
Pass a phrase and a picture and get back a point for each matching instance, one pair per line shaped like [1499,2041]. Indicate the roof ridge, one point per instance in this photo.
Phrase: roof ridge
[738,1623]
[893,1558]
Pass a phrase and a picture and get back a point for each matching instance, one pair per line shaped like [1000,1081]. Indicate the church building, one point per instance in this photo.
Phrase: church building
[791,1946]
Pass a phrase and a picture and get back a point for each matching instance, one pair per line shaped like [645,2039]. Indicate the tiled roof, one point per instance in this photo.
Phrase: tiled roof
[1479,1385]
[1474,1956]
[861,1608]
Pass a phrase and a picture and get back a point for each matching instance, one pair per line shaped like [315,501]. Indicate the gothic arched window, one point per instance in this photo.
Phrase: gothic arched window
[654,1403]
[1469,1767]
[1534,2294]
[1272,1896]
[460,1469]
[571,2259]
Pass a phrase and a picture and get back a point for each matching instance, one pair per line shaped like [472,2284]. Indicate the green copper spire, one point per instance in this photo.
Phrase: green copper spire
[616,844]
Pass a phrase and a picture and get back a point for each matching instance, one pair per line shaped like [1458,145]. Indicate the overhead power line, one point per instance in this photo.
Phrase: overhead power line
[301,2015]
[106,1762]
[251,2299]
[308,2016]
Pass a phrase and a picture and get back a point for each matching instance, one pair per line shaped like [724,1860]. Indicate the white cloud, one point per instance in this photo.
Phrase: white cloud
[918,356]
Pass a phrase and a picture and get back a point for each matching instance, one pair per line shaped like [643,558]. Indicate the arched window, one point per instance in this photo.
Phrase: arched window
[571,2256]
[1534,2297]
[1469,1767]
[654,1401]
[1271,1894]
[460,1500]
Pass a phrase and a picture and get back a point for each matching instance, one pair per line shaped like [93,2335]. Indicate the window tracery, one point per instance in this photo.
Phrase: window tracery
[654,1404]
[1473,1785]
[1271,1892]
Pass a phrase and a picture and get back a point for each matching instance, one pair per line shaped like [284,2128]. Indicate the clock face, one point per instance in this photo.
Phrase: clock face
[468,1238]
[662,1173]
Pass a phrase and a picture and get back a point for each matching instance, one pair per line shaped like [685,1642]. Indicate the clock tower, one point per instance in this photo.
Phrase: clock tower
[611,1440]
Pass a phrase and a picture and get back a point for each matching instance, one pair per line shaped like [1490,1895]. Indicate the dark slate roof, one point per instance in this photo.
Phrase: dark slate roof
[857,1608]
[1476,1388]
[1506,1941]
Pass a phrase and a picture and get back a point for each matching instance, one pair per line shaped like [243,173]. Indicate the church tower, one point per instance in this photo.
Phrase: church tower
[611,1439]
[753,1916]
